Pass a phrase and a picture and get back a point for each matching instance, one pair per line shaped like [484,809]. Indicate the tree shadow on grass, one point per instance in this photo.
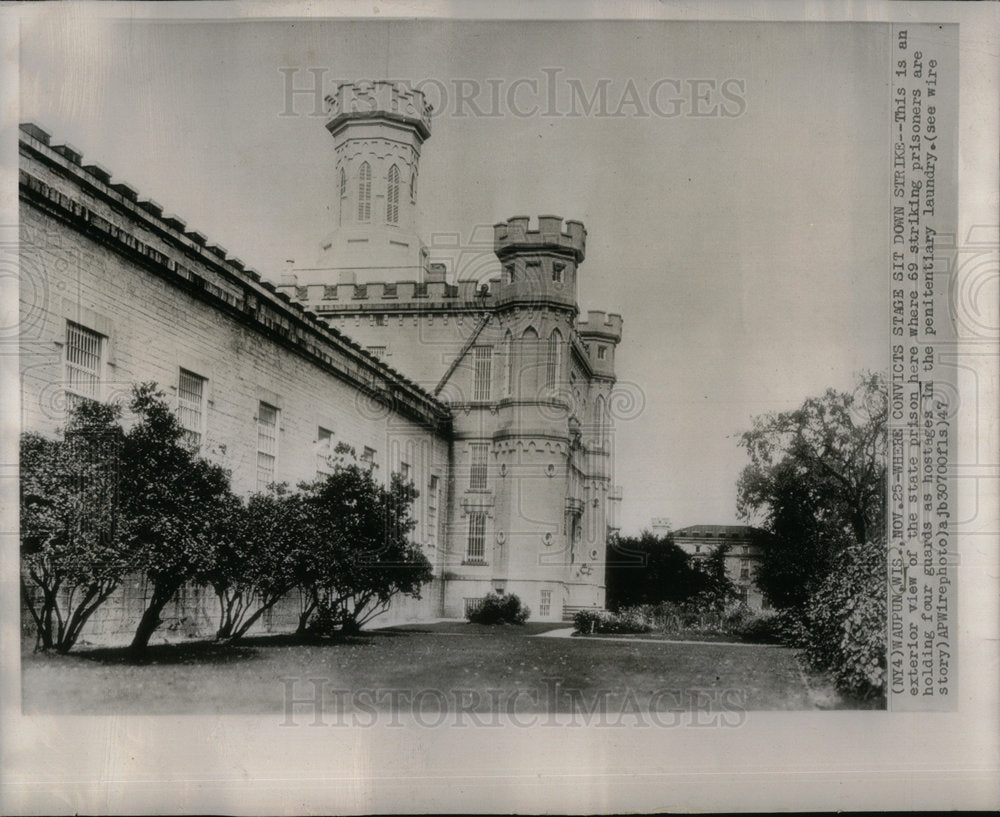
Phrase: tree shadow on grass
[193,652]
[207,651]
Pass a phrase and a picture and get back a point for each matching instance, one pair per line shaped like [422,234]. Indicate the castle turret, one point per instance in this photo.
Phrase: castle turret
[539,266]
[378,129]
[601,333]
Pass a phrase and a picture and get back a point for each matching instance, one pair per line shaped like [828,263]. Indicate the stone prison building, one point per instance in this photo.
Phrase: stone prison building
[485,386]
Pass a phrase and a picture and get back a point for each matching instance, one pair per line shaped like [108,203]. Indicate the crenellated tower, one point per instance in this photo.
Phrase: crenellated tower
[539,266]
[378,129]
[527,378]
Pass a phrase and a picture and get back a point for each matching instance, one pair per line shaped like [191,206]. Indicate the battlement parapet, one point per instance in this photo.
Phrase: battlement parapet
[352,101]
[515,235]
[600,324]
[390,294]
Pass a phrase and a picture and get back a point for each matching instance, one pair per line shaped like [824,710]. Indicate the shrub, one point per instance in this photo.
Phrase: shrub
[844,622]
[629,620]
[500,609]
[766,628]
[586,621]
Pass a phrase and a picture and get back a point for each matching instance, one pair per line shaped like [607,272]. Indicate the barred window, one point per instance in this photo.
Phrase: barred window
[483,356]
[324,451]
[544,603]
[84,353]
[392,196]
[191,405]
[267,444]
[476,551]
[431,522]
[479,466]
[365,192]
[368,457]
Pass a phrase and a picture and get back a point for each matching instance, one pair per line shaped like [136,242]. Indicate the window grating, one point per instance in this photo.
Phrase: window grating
[190,405]
[483,356]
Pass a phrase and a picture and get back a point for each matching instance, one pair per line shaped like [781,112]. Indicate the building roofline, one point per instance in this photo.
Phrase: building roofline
[122,197]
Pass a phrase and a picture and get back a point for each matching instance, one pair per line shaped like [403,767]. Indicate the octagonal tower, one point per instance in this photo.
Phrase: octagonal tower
[378,129]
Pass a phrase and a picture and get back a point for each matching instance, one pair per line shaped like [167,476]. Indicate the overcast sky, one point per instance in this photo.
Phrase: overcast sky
[744,252]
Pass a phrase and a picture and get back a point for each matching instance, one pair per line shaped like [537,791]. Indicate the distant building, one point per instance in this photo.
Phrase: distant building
[660,526]
[742,555]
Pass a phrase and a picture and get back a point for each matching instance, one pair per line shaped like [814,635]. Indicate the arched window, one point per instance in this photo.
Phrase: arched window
[508,350]
[527,366]
[392,196]
[343,183]
[365,192]
[599,421]
[555,358]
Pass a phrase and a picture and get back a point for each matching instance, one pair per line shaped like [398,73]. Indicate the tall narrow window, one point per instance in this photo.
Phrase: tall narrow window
[528,362]
[191,405]
[544,603]
[365,192]
[267,444]
[478,466]
[368,457]
[431,524]
[555,358]
[84,350]
[508,360]
[324,451]
[483,356]
[392,196]
[413,184]
[476,548]
[599,421]
[343,183]
[557,272]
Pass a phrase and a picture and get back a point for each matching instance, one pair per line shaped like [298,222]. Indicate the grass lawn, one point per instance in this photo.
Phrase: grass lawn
[436,667]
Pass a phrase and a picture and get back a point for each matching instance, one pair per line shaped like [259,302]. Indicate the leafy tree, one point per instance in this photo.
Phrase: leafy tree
[816,480]
[72,531]
[648,570]
[717,590]
[178,504]
[361,556]
[255,562]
